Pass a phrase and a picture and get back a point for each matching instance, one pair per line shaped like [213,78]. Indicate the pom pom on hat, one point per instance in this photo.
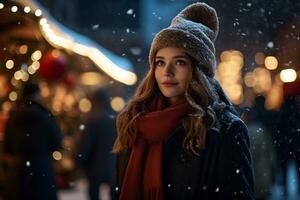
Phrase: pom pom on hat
[194,29]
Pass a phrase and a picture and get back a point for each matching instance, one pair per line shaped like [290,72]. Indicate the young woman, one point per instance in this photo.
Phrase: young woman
[179,137]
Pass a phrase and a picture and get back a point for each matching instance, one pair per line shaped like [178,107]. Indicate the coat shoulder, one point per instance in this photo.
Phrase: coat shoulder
[228,119]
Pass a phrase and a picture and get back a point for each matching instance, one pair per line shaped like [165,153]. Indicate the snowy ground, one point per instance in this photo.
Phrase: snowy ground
[78,193]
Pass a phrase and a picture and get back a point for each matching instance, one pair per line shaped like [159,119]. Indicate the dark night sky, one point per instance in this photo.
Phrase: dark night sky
[248,26]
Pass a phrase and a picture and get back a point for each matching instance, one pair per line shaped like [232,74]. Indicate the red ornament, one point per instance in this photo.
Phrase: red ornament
[53,65]
[291,89]
[70,80]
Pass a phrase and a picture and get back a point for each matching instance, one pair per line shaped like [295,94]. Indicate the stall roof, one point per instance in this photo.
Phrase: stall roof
[59,36]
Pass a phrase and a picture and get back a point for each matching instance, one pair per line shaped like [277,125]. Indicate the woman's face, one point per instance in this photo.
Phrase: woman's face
[173,71]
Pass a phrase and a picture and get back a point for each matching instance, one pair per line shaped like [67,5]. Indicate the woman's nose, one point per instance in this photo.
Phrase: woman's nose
[169,70]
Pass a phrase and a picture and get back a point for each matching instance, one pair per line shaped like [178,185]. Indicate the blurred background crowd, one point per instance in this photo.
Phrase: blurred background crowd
[80,61]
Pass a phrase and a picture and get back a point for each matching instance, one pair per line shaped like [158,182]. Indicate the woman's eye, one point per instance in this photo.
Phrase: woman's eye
[180,62]
[159,63]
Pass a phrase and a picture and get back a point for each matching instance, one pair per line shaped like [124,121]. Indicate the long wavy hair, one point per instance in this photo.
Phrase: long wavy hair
[200,94]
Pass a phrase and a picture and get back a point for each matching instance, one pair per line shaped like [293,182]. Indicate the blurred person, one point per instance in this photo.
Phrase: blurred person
[287,137]
[179,137]
[95,154]
[262,149]
[31,135]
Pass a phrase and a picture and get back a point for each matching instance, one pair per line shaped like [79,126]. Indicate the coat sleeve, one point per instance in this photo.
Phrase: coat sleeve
[236,172]
[55,133]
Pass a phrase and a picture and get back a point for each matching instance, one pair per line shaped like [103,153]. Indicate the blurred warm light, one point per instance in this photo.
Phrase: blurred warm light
[36,55]
[45,91]
[238,61]
[57,155]
[13,96]
[67,163]
[91,78]
[112,69]
[69,100]
[14,9]
[25,76]
[31,70]
[225,56]
[288,75]
[117,103]
[14,82]
[271,62]
[3,86]
[18,75]
[274,97]
[235,93]
[1,6]
[36,65]
[43,21]
[38,12]
[6,106]
[23,49]
[249,79]
[21,75]
[59,39]
[260,58]
[9,64]
[27,9]
[67,142]
[229,74]
[262,80]
[59,97]
[85,105]
[56,53]
[56,106]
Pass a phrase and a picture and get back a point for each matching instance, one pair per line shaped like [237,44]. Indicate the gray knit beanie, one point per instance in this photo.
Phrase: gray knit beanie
[194,29]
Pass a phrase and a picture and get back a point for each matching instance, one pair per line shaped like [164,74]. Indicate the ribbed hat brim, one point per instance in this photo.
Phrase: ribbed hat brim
[199,48]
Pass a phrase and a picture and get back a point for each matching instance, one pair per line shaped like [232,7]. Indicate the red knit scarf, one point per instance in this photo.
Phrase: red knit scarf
[143,175]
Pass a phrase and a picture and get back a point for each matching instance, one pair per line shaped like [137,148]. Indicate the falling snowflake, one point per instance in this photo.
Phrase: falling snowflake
[270,44]
[82,127]
[95,26]
[259,130]
[111,116]
[136,51]
[130,11]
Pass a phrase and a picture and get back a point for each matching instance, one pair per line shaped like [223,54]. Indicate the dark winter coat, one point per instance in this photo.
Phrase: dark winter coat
[95,149]
[31,135]
[222,171]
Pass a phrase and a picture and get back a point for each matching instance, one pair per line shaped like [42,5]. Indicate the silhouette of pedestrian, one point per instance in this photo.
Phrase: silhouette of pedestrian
[31,135]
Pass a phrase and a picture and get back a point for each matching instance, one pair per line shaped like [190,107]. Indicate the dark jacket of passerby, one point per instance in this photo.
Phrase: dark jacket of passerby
[95,152]
[31,135]
[222,170]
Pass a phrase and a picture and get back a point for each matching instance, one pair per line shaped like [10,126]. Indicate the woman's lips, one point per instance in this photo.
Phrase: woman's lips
[168,84]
